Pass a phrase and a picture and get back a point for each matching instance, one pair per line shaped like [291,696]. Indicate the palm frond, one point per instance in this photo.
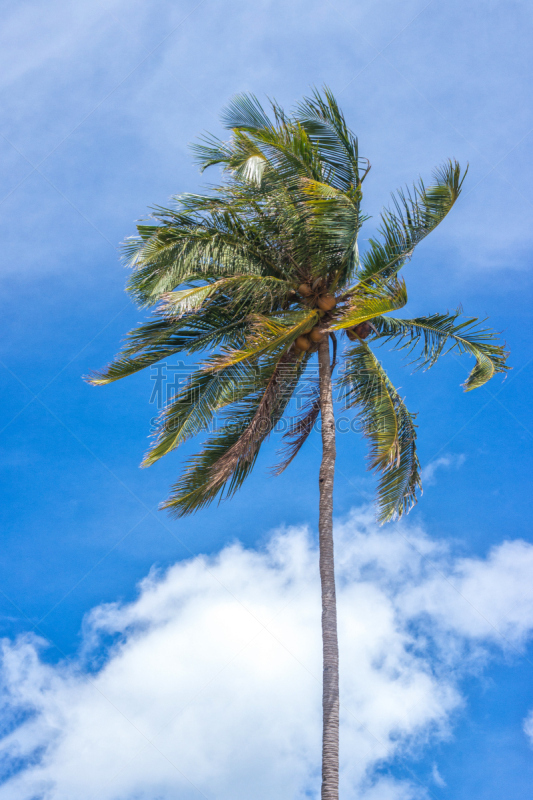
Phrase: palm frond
[209,151]
[145,346]
[269,335]
[257,293]
[301,427]
[415,214]
[123,367]
[293,167]
[245,112]
[230,454]
[182,248]
[192,491]
[275,397]
[192,410]
[299,431]
[166,336]
[332,223]
[324,122]
[440,334]
[369,303]
[285,146]
[389,427]
[183,301]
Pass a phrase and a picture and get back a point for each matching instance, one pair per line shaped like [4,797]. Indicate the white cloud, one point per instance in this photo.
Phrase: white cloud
[446,462]
[481,599]
[528,726]
[437,777]
[208,685]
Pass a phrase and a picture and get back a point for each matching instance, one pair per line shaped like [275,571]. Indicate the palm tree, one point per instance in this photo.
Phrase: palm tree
[263,272]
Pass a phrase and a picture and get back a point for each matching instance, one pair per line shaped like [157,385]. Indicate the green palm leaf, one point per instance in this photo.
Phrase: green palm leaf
[256,293]
[323,121]
[245,112]
[369,303]
[230,454]
[269,335]
[299,431]
[440,334]
[194,407]
[416,213]
[182,248]
[388,426]
[166,336]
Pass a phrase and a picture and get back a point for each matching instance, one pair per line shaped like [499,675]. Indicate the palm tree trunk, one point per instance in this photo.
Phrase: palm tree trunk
[330,648]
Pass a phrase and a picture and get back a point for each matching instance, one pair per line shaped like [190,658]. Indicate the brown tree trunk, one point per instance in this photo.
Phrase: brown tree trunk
[330,648]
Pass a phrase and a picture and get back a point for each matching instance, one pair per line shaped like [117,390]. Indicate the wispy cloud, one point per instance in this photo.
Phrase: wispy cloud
[437,777]
[528,727]
[209,683]
[444,462]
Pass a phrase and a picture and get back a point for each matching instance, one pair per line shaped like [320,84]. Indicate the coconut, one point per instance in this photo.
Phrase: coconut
[303,343]
[360,331]
[363,330]
[326,302]
[317,335]
[305,290]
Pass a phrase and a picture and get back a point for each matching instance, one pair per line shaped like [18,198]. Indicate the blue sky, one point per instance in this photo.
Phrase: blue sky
[99,103]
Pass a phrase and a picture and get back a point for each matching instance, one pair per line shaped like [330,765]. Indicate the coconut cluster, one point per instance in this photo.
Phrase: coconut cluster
[325,302]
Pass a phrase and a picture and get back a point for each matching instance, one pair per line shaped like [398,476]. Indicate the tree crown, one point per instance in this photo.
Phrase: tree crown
[262,267]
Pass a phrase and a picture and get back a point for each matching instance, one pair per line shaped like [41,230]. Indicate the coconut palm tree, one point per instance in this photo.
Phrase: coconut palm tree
[262,273]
